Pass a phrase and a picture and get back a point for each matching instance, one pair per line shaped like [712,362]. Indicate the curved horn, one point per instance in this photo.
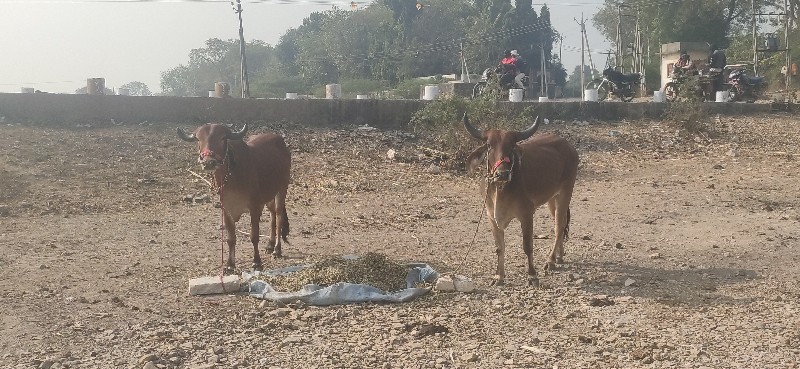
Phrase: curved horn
[238,135]
[186,137]
[474,132]
[524,135]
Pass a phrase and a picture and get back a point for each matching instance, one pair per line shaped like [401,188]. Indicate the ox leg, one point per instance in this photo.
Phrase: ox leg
[280,217]
[561,227]
[272,228]
[557,256]
[230,228]
[255,219]
[500,250]
[526,224]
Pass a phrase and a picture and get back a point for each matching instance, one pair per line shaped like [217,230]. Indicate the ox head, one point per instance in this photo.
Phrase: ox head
[498,156]
[212,143]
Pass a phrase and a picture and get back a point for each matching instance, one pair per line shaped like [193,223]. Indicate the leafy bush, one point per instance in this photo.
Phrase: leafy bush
[353,87]
[440,124]
[409,89]
[277,86]
[690,115]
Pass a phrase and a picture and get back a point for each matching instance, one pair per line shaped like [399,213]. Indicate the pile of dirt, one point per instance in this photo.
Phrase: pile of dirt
[372,269]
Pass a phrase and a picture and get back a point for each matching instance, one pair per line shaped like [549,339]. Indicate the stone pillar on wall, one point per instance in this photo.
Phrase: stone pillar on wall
[96,86]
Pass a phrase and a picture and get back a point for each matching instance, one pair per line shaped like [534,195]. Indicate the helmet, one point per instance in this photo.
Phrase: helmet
[514,53]
[684,55]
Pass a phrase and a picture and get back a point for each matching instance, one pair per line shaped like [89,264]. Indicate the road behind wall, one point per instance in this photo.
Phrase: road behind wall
[61,108]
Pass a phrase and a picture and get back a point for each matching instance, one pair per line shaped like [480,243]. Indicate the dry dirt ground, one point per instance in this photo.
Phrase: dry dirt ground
[684,253]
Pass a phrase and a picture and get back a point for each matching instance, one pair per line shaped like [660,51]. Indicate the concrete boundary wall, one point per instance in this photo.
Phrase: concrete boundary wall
[62,108]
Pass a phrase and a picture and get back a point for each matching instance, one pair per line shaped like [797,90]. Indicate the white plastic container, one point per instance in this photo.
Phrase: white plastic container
[362,97]
[658,96]
[515,94]
[333,91]
[212,93]
[723,96]
[291,95]
[27,90]
[431,92]
[543,99]
[590,95]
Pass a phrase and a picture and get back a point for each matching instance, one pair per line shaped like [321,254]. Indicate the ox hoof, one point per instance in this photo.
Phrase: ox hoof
[549,266]
[257,266]
[277,255]
[559,260]
[533,282]
[229,270]
[498,282]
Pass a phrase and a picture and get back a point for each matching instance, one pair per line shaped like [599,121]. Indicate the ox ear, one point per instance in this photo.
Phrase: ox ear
[239,134]
[477,159]
[474,132]
[524,135]
[186,137]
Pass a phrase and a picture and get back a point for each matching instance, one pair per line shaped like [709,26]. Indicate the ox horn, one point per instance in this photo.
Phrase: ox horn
[238,135]
[472,130]
[186,137]
[524,135]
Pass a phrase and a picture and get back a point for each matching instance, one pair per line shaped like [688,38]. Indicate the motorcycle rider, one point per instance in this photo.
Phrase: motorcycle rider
[683,64]
[507,68]
[521,67]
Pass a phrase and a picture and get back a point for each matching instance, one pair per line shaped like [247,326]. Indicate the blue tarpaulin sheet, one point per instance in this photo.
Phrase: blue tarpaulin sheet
[343,293]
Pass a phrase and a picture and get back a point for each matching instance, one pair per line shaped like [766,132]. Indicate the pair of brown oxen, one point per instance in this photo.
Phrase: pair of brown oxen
[521,174]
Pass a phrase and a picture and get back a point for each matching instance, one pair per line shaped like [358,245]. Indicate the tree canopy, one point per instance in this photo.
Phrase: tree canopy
[389,41]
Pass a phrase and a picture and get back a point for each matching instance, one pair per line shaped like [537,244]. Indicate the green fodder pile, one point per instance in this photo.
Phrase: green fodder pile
[371,269]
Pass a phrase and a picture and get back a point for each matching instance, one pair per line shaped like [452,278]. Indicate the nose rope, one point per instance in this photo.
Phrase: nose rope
[492,175]
[500,162]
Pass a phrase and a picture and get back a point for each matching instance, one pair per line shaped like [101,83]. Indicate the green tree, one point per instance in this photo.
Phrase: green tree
[137,88]
[573,86]
[218,61]
[684,20]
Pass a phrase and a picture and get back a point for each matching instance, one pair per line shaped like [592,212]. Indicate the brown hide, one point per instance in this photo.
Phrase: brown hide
[521,174]
[248,176]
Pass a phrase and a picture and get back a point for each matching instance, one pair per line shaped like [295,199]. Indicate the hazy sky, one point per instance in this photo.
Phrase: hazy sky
[56,45]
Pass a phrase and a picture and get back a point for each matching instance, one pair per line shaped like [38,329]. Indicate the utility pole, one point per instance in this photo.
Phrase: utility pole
[237,7]
[618,54]
[544,72]
[583,59]
[755,41]
[787,20]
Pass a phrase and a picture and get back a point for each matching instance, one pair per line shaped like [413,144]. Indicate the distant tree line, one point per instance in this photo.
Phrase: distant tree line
[390,41]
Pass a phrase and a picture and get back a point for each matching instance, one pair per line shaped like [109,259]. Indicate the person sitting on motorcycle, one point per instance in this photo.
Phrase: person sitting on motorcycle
[507,69]
[521,67]
[683,65]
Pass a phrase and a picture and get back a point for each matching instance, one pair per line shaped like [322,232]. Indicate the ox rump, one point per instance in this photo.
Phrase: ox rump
[247,176]
[519,176]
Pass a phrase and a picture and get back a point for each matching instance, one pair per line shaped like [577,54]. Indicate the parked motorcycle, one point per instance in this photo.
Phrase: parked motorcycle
[622,85]
[744,87]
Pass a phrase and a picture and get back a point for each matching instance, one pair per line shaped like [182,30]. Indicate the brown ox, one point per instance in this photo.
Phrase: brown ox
[521,176]
[247,177]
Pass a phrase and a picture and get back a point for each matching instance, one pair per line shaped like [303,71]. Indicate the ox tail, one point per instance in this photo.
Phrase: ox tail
[566,227]
[285,227]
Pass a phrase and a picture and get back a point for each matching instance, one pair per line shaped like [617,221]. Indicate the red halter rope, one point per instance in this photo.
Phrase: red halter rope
[500,162]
